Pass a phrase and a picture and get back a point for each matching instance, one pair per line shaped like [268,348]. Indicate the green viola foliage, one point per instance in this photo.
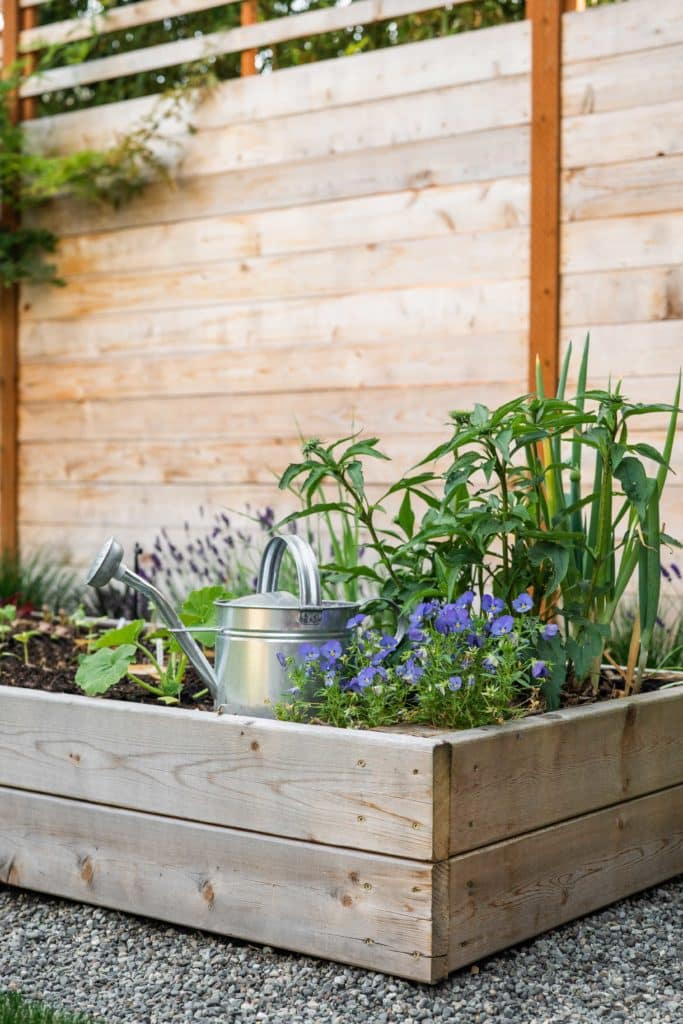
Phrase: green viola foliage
[546,494]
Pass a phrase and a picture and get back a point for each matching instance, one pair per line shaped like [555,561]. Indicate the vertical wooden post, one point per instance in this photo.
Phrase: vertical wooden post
[248,16]
[9,327]
[546,123]
[28,18]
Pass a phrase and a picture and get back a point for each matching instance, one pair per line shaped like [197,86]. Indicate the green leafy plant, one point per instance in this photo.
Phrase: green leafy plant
[112,176]
[15,1009]
[37,581]
[113,655]
[24,638]
[505,505]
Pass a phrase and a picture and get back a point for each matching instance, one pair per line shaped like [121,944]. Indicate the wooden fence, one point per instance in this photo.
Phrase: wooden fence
[347,243]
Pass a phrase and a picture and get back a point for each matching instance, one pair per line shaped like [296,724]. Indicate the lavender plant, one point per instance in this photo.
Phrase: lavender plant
[455,666]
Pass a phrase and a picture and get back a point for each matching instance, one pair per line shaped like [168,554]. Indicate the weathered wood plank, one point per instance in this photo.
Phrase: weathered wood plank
[651,240]
[512,779]
[367,220]
[479,256]
[622,28]
[622,81]
[360,366]
[615,190]
[375,912]
[389,412]
[510,891]
[479,156]
[366,791]
[621,297]
[395,71]
[363,317]
[639,133]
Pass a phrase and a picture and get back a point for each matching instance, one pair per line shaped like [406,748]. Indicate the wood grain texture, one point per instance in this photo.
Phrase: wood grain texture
[403,315]
[366,791]
[474,157]
[622,81]
[511,891]
[639,133]
[371,911]
[380,74]
[512,779]
[622,28]
[634,187]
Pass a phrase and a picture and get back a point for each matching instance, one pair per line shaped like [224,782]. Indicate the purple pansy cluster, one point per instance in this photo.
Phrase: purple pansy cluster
[448,653]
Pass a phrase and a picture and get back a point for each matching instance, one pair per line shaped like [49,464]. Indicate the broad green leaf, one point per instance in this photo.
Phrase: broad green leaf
[103,669]
[198,609]
[355,472]
[406,517]
[367,447]
[292,472]
[479,416]
[557,556]
[127,634]
[632,476]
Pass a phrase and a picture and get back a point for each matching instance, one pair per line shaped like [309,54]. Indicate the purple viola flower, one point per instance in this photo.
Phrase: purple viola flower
[410,671]
[454,683]
[489,664]
[294,690]
[550,630]
[539,670]
[502,625]
[281,658]
[423,610]
[474,640]
[491,605]
[416,636]
[523,603]
[388,643]
[465,600]
[331,650]
[354,621]
[309,652]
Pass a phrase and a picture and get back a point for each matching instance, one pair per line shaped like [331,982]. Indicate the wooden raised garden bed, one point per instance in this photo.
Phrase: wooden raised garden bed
[413,855]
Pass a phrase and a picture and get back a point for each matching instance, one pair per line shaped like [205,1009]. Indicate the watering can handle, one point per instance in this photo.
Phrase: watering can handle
[306,568]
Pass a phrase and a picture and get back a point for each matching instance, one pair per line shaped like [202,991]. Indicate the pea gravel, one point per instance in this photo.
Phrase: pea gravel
[623,964]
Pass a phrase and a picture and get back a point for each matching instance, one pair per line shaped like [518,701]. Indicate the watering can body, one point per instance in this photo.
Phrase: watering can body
[256,634]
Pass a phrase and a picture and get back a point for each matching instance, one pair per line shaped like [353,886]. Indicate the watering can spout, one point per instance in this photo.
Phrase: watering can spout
[109,565]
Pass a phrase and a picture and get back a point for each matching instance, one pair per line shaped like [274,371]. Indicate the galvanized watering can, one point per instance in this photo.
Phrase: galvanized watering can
[249,677]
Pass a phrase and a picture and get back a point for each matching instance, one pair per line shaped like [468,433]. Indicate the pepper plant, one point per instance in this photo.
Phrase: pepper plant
[504,505]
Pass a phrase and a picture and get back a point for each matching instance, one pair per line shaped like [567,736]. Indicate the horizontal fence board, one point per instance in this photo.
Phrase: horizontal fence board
[324,786]
[639,133]
[405,315]
[622,28]
[511,891]
[285,893]
[327,414]
[623,81]
[313,369]
[114,19]
[575,760]
[621,296]
[460,110]
[366,220]
[615,190]
[255,461]
[141,506]
[490,255]
[200,48]
[652,240]
[381,74]
[479,156]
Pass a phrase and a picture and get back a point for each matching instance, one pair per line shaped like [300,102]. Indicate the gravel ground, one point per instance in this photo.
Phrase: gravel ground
[623,964]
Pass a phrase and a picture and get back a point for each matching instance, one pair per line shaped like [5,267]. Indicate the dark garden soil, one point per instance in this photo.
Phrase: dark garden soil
[53,659]
[53,656]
